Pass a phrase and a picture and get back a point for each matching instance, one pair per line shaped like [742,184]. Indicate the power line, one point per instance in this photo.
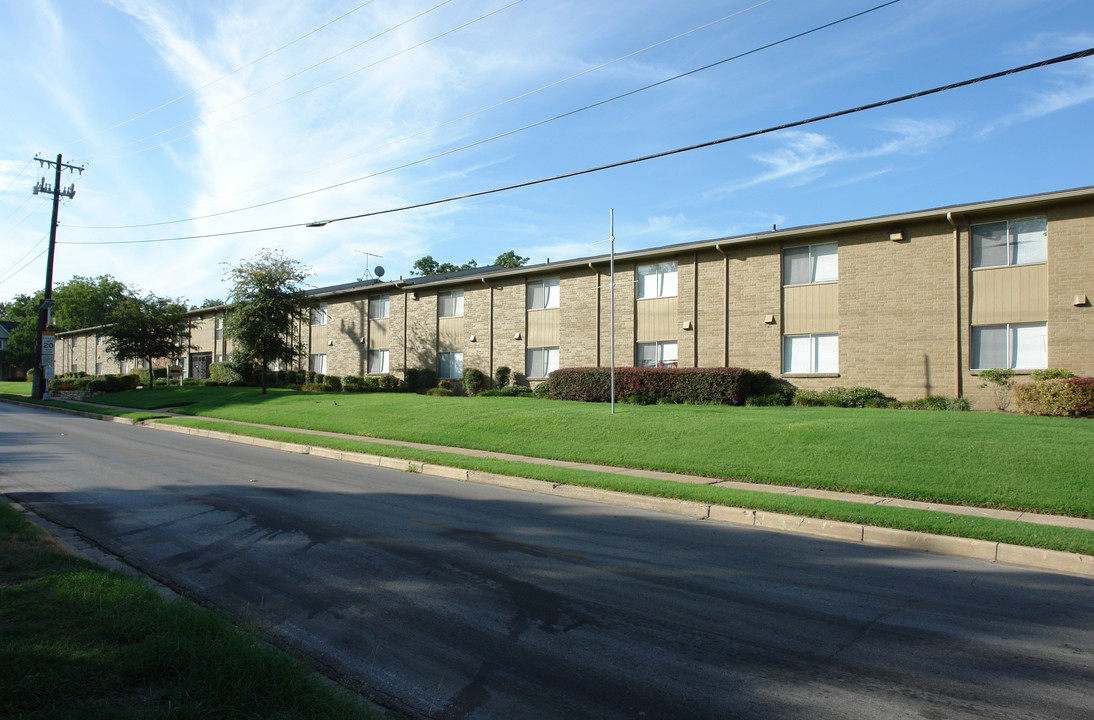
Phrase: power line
[13,273]
[519,129]
[303,92]
[644,158]
[222,77]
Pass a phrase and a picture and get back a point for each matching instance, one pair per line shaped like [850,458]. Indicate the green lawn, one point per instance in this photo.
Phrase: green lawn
[15,388]
[77,641]
[981,459]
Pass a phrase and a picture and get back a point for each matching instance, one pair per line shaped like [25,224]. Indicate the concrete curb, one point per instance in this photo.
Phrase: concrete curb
[983,550]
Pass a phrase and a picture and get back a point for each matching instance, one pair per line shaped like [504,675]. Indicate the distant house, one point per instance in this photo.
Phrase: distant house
[7,372]
[913,304]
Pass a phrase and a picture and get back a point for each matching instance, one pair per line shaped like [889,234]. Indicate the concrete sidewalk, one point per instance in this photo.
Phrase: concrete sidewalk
[1051,560]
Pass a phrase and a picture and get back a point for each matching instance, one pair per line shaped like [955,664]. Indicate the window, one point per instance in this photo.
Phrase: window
[218,358]
[318,363]
[379,306]
[1010,242]
[98,368]
[541,362]
[657,280]
[816,353]
[810,264]
[1010,346]
[450,304]
[542,294]
[656,354]
[450,365]
[99,340]
[377,361]
[72,343]
[74,368]
[218,328]
[319,315]
[123,367]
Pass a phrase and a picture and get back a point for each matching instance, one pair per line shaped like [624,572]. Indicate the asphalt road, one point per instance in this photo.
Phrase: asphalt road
[454,600]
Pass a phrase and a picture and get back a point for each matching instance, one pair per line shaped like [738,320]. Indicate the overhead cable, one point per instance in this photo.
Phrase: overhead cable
[1089,52]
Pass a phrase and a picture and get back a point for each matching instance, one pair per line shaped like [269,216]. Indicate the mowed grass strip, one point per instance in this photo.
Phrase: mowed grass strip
[927,521]
[992,460]
[15,387]
[78,641]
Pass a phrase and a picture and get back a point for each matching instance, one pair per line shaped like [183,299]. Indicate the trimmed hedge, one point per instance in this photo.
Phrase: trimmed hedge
[1068,397]
[848,397]
[706,386]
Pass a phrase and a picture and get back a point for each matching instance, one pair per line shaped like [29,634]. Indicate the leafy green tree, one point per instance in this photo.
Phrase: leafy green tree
[85,302]
[510,259]
[266,303]
[208,303]
[147,328]
[23,340]
[428,266]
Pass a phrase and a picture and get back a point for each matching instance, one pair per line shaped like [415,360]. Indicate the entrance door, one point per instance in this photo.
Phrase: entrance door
[199,365]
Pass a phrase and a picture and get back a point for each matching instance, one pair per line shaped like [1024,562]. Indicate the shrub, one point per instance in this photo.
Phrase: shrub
[210,382]
[161,382]
[474,381]
[1001,382]
[388,383]
[97,385]
[1067,397]
[224,374]
[445,384]
[936,402]
[543,390]
[190,381]
[848,397]
[635,400]
[420,378]
[353,383]
[723,386]
[510,391]
[333,383]
[775,399]
[501,376]
[1051,374]
[316,387]
[118,383]
[439,391]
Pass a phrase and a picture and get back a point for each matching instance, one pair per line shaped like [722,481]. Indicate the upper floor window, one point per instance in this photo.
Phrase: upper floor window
[450,304]
[379,306]
[1010,242]
[810,264]
[319,315]
[218,328]
[99,339]
[657,280]
[542,293]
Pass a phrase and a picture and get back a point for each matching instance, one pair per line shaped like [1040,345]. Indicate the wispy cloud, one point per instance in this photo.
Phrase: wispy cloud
[804,157]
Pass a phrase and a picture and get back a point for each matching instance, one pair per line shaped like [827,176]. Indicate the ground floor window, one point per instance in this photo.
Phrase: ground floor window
[318,363]
[541,362]
[123,367]
[813,353]
[75,367]
[450,365]
[378,361]
[98,368]
[1015,346]
[656,354]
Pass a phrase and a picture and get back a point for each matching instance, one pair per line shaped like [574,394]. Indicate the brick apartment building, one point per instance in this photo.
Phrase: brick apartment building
[913,304]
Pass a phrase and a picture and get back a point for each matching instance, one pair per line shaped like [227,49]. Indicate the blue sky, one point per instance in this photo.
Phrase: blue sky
[329,93]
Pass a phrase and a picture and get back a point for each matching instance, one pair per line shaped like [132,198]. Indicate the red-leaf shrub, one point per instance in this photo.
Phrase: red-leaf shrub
[723,386]
[1071,397]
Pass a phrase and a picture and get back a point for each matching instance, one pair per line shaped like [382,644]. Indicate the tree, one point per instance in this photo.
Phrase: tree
[428,266]
[23,340]
[84,302]
[266,302]
[147,328]
[510,259]
[208,303]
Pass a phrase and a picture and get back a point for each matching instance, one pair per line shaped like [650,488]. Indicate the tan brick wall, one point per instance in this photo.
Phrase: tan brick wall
[625,301]
[421,330]
[709,323]
[477,312]
[580,319]
[755,291]
[509,319]
[346,329]
[1071,273]
[896,311]
[396,332]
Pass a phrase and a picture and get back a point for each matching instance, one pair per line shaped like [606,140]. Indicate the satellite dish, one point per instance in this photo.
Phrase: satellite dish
[378,271]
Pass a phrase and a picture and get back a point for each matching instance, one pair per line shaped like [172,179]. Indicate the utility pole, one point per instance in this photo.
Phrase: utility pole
[44,350]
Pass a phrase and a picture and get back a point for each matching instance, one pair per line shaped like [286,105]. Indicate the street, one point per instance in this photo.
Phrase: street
[446,599]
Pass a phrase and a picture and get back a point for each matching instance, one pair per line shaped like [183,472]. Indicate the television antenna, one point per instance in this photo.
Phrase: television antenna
[379,270]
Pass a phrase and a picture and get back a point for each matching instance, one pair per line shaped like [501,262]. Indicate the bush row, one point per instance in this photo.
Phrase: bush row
[1066,397]
[721,386]
[95,383]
